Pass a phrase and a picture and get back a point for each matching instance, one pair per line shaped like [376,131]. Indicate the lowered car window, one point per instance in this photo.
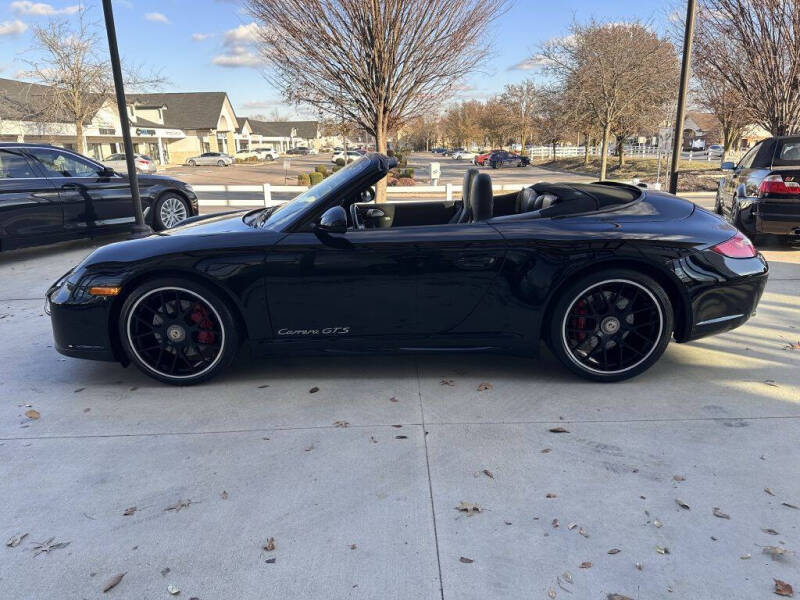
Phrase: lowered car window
[61,164]
[14,166]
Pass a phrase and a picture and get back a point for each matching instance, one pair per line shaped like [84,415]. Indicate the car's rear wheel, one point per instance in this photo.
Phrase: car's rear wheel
[178,331]
[170,211]
[611,325]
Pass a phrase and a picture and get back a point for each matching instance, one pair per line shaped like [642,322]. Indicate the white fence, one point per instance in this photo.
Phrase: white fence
[264,195]
[630,152]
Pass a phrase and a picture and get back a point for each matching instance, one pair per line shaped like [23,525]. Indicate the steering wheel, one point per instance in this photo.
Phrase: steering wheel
[356,217]
[368,195]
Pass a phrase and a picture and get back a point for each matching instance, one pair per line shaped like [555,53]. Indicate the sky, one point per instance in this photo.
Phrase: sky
[206,45]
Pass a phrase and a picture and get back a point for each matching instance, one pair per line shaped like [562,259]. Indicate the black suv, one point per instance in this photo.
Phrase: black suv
[49,194]
[501,158]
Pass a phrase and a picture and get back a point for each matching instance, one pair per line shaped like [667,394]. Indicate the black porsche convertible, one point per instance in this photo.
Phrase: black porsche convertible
[604,273]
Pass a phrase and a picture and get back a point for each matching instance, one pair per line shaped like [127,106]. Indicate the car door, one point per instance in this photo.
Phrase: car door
[360,283]
[29,204]
[92,198]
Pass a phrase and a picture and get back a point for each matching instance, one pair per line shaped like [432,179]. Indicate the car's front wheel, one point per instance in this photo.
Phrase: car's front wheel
[170,210]
[178,331]
[192,163]
[220,163]
[611,325]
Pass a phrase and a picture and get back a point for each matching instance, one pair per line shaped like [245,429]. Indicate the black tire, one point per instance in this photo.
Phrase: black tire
[192,163]
[718,205]
[166,210]
[220,163]
[630,312]
[178,331]
[494,165]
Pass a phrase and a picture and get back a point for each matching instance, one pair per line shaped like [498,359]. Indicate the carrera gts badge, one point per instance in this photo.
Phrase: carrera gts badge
[324,331]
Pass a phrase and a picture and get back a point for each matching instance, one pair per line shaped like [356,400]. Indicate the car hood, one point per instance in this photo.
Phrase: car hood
[226,222]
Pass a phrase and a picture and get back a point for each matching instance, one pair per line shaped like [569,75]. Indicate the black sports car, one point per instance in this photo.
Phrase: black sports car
[604,273]
[48,194]
[501,158]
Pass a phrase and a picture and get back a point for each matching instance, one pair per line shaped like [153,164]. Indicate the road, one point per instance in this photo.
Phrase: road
[359,482]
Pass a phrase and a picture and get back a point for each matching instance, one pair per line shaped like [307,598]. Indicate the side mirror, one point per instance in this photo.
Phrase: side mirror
[333,220]
[727,166]
[107,171]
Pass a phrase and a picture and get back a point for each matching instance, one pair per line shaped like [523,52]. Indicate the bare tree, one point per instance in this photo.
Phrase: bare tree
[381,62]
[76,72]
[554,117]
[495,122]
[520,99]
[461,123]
[614,67]
[754,46]
[717,96]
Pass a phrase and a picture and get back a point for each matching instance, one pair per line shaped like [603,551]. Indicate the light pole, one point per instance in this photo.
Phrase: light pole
[677,138]
[139,228]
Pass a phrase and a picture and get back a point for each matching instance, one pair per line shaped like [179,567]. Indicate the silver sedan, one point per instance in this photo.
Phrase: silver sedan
[210,158]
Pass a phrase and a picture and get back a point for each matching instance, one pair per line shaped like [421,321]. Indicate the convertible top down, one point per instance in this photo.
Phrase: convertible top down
[606,274]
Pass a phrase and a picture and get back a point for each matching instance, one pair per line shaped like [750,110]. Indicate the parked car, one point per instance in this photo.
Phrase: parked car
[716,150]
[761,194]
[351,155]
[502,158]
[266,153]
[439,151]
[299,150]
[144,164]
[511,270]
[219,159]
[481,159]
[464,155]
[49,194]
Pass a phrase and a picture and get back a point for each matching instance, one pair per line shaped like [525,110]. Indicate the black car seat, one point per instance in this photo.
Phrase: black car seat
[481,199]
[529,199]
[462,215]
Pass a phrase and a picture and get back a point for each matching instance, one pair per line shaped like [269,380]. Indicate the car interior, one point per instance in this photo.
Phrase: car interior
[479,204]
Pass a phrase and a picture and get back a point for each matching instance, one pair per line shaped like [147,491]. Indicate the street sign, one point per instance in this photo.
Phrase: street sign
[436,171]
[287,164]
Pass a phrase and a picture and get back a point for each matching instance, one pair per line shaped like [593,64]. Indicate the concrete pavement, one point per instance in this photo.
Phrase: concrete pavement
[358,483]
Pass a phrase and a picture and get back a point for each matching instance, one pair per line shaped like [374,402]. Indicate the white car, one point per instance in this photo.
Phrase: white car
[210,158]
[266,153]
[144,164]
[351,156]
[464,155]
[716,150]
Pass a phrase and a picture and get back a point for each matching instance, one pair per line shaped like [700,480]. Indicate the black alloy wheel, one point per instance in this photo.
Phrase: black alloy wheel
[612,325]
[178,331]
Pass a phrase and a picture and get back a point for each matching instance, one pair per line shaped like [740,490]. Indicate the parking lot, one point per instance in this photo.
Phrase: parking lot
[357,484]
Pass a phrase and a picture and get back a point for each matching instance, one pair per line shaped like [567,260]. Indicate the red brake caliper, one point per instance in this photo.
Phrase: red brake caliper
[200,316]
[580,322]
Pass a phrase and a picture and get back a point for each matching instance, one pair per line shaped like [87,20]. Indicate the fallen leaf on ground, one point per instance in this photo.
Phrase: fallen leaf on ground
[180,504]
[718,513]
[567,576]
[555,523]
[270,545]
[270,561]
[682,504]
[771,382]
[353,546]
[550,495]
[488,473]
[164,571]
[129,511]
[32,414]
[639,566]
[792,346]
[469,507]
[341,424]
[572,526]
[585,565]
[783,589]
[786,504]
[485,386]
[372,439]
[770,531]
[745,557]
[551,592]
[261,387]
[657,523]
[546,450]
[393,399]
[310,448]
[662,549]
[679,478]
[78,390]
[313,390]
[769,491]
[466,560]
[15,541]
[401,437]
[224,495]
[449,382]
[48,546]
[618,597]
[776,552]
[113,582]
[582,531]
[558,430]
[173,590]
[614,551]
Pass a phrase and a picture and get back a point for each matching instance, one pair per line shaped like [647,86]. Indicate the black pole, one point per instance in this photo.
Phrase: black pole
[680,117]
[139,228]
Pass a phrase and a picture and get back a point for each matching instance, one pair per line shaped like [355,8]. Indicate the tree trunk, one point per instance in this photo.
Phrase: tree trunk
[621,151]
[554,151]
[604,151]
[586,149]
[79,145]
[380,146]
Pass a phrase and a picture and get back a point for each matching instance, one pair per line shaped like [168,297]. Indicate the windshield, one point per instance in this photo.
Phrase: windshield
[278,217]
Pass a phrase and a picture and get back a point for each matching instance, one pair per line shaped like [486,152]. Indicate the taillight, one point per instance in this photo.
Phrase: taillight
[739,246]
[774,184]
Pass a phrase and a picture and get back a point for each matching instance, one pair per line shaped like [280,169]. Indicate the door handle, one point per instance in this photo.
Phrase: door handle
[70,186]
[475,263]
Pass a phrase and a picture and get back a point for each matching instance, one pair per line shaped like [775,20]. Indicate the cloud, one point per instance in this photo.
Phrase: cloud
[199,37]
[157,17]
[40,9]
[256,104]
[529,64]
[243,34]
[15,27]
[237,56]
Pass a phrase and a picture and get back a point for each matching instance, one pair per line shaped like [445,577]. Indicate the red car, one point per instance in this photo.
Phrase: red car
[481,159]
